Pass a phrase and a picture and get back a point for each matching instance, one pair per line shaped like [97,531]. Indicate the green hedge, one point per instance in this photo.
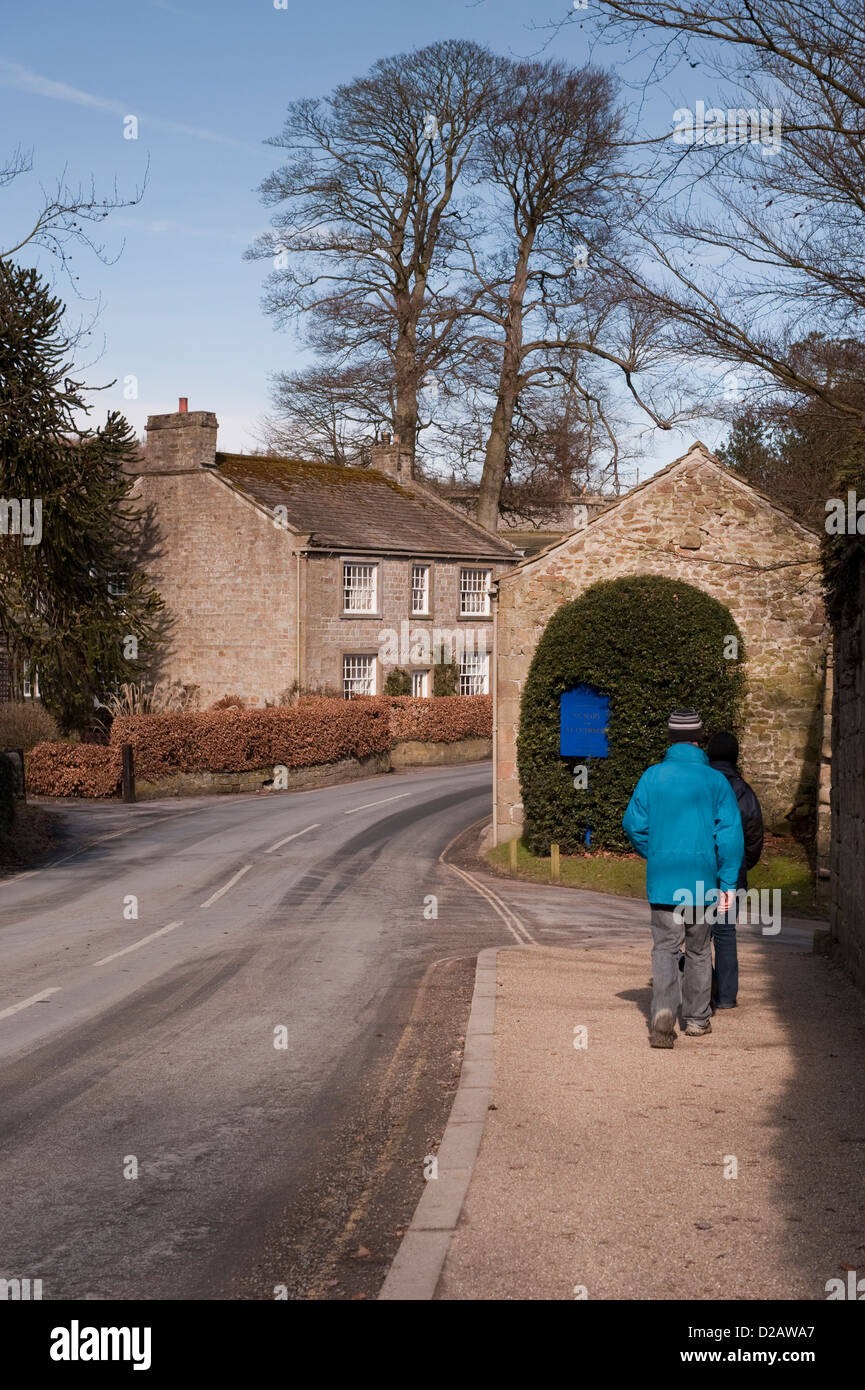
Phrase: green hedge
[398,682]
[652,645]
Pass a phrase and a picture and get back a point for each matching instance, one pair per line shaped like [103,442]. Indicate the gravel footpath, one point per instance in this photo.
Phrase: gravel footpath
[604,1168]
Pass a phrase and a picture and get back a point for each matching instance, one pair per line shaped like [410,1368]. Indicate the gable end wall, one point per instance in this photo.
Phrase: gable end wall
[779,612]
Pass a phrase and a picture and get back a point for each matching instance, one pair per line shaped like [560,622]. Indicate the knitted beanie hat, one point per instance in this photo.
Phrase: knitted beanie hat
[684,726]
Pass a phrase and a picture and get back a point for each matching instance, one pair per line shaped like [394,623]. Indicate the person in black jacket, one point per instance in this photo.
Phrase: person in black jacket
[723,754]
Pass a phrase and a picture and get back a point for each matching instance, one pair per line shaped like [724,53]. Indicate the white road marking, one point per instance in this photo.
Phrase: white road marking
[135,945]
[39,998]
[280,843]
[376,803]
[515,926]
[230,884]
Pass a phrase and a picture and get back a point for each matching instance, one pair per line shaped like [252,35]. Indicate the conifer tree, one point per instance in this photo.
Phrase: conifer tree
[75,602]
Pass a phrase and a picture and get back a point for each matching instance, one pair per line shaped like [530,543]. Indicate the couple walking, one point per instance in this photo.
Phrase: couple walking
[698,825]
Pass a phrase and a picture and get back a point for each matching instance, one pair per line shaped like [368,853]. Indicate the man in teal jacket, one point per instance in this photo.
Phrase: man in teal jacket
[684,820]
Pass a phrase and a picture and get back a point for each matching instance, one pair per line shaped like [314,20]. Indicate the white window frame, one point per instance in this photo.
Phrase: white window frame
[29,689]
[420,678]
[474,674]
[351,676]
[474,597]
[349,569]
[423,590]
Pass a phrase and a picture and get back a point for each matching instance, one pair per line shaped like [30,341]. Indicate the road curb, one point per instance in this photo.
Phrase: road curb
[420,1259]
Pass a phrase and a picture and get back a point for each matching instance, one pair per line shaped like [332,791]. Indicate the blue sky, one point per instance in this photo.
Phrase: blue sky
[208,81]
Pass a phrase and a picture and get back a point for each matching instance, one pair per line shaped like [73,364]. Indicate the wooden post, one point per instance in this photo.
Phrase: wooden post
[512,855]
[555,865]
[128,772]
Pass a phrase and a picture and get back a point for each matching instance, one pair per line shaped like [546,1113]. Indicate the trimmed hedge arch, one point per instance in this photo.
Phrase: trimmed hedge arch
[651,644]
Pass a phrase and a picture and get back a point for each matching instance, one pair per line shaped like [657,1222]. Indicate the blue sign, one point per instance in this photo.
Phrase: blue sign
[584,715]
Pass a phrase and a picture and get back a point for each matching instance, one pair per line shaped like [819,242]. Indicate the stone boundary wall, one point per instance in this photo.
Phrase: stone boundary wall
[847,858]
[412,753]
[408,754]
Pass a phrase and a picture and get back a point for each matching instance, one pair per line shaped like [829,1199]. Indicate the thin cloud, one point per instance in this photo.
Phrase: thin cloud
[163,226]
[25,80]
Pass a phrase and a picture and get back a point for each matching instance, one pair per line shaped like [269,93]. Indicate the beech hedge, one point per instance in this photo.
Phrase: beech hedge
[73,769]
[444,720]
[316,730]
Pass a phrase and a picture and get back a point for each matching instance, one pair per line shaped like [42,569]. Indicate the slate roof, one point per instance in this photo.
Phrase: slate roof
[359,509]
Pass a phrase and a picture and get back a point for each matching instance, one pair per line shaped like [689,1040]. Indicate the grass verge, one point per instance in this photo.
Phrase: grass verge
[784,866]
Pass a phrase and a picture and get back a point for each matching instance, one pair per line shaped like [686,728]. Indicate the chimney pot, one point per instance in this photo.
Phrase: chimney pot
[183,405]
[385,439]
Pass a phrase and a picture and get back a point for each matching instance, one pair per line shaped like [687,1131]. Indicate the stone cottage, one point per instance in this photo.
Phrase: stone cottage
[278,573]
[698,522]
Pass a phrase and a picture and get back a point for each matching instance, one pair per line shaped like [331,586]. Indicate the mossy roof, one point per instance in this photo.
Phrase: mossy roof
[343,508]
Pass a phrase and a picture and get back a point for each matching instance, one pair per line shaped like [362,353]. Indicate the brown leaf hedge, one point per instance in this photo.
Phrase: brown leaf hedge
[444,720]
[316,730]
[72,769]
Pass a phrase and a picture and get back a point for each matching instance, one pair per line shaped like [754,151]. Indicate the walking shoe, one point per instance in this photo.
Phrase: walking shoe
[662,1030]
[698,1030]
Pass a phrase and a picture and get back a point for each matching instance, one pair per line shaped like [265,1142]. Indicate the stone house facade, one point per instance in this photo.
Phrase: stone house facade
[279,573]
[696,521]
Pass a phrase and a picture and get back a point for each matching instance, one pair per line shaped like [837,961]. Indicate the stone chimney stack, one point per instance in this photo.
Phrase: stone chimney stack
[392,459]
[180,443]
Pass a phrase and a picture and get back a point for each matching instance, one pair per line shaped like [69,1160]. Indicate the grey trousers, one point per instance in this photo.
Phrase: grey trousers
[670,986]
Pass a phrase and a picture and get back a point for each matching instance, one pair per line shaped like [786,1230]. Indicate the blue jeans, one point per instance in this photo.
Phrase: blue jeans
[725,974]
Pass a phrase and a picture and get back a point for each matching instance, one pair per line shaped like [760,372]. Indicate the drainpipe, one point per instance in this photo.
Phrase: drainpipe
[495,684]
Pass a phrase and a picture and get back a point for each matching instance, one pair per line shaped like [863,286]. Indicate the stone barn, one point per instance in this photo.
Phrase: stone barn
[698,522]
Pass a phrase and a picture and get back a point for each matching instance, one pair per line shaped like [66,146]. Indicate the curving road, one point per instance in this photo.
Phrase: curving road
[230,1034]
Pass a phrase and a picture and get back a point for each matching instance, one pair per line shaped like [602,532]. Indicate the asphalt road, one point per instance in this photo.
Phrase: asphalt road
[231,1031]
[233,1092]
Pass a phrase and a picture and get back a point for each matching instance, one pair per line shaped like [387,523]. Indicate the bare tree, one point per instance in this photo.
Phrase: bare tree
[66,215]
[798,448]
[564,440]
[367,220]
[552,299]
[756,232]
[328,414]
